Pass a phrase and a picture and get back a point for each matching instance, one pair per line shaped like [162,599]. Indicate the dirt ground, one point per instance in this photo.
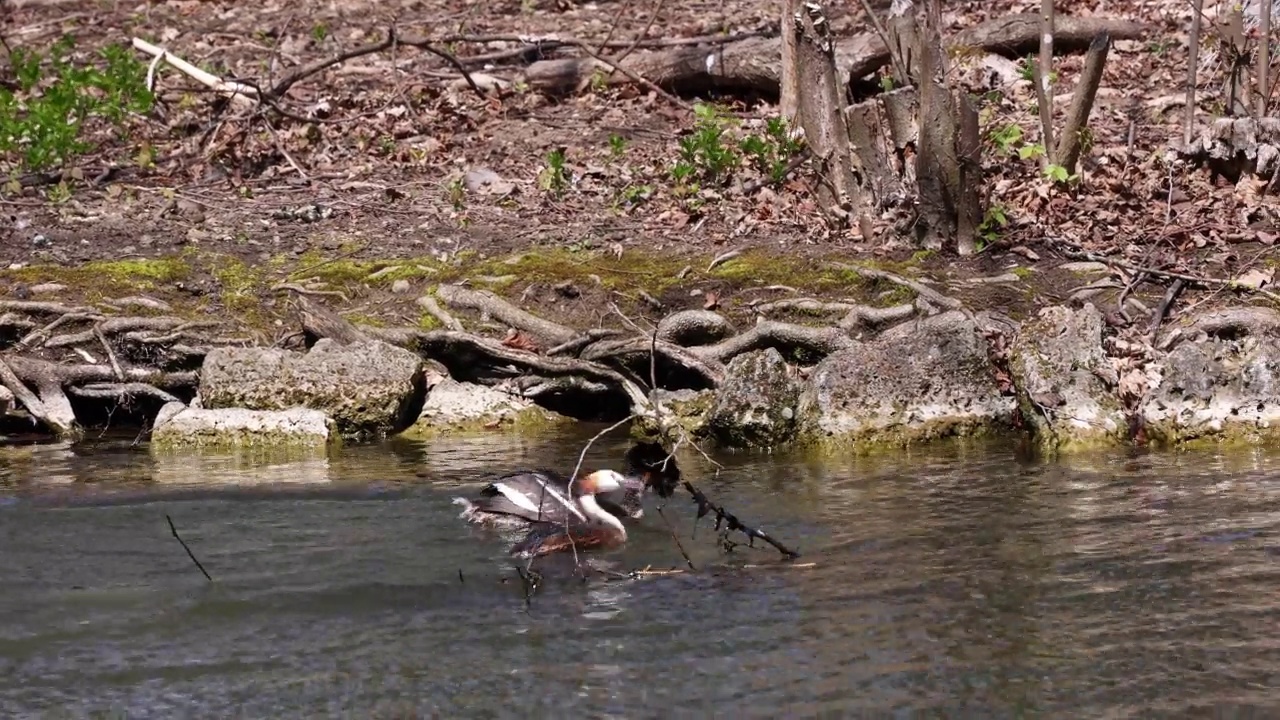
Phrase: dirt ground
[377,198]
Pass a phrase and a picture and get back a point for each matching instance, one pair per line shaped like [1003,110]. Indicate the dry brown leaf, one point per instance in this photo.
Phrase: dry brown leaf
[1256,278]
[520,341]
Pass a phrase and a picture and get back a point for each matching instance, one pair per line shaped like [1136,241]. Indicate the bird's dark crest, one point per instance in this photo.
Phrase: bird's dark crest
[653,461]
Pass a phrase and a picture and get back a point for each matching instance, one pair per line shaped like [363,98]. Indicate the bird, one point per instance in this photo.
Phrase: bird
[525,497]
[594,528]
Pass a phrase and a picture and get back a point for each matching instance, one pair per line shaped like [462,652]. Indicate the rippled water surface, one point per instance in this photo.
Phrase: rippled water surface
[961,582]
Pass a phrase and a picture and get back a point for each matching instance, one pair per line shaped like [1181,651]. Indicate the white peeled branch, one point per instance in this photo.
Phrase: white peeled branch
[240,93]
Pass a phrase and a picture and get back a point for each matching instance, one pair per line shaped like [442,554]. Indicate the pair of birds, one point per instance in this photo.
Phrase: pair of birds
[560,515]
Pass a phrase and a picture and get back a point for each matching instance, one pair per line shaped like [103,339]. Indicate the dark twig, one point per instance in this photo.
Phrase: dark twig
[1076,252]
[1163,309]
[190,554]
[676,537]
[730,522]
[392,39]
[530,580]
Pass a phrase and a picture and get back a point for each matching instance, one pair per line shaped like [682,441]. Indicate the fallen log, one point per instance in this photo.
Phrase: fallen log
[755,64]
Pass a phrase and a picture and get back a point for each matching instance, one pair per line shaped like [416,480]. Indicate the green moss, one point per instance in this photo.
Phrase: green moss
[241,283]
[1233,435]
[254,447]
[1022,273]
[108,277]
[427,321]
[377,273]
[894,444]
[894,438]
[652,272]
[358,319]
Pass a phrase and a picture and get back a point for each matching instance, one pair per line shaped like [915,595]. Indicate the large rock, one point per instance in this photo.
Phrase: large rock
[1217,388]
[756,404]
[368,388]
[453,406]
[915,382]
[178,427]
[1058,363]
[685,409]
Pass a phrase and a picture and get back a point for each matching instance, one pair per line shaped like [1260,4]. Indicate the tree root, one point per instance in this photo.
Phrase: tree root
[694,327]
[504,312]
[817,341]
[855,314]
[924,291]
[635,353]
[121,390]
[477,359]
[42,386]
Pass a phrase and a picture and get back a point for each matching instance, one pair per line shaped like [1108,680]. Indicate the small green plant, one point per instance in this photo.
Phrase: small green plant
[707,153]
[617,146]
[319,32]
[456,192]
[1027,69]
[44,114]
[554,178]
[993,222]
[772,153]
[1006,138]
[633,195]
[599,81]
[1030,151]
[1060,174]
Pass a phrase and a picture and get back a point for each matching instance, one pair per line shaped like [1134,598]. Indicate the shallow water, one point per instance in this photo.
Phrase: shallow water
[961,582]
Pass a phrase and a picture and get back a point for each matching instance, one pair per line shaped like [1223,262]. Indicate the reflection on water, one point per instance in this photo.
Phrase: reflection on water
[964,581]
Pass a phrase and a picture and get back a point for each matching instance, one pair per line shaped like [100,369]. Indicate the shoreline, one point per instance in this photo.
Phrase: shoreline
[857,353]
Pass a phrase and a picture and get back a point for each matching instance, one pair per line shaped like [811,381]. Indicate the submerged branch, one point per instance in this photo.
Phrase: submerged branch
[730,523]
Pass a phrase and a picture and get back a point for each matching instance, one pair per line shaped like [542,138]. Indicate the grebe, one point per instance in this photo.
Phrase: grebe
[526,497]
[597,528]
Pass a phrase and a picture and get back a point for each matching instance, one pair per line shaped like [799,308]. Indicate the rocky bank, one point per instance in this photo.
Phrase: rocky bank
[903,364]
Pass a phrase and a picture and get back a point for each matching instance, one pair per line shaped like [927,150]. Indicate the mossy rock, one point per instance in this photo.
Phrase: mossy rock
[180,428]
[913,385]
[455,408]
[755,407]
[1057,361]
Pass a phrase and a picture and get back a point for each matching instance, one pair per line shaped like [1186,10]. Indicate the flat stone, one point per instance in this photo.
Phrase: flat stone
[179,426]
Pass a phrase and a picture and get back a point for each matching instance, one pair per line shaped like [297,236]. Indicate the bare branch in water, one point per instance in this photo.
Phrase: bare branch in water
[184,547]
[530,579]
[730,522]
[676,537]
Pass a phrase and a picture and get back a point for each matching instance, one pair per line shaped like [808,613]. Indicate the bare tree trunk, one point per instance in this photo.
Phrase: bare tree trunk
[969,151]
[1044,77]
[788,101]
[1067,153]
[822,115]
[943,198]
[1264,57]
[1193,59]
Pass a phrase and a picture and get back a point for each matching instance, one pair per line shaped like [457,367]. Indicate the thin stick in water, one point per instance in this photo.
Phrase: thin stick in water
[676,537]
[184,547]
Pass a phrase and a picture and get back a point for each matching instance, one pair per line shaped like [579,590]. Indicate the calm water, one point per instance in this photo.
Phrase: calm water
[957,583]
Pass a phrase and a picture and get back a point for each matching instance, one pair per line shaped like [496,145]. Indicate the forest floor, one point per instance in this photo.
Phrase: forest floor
[386,174]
